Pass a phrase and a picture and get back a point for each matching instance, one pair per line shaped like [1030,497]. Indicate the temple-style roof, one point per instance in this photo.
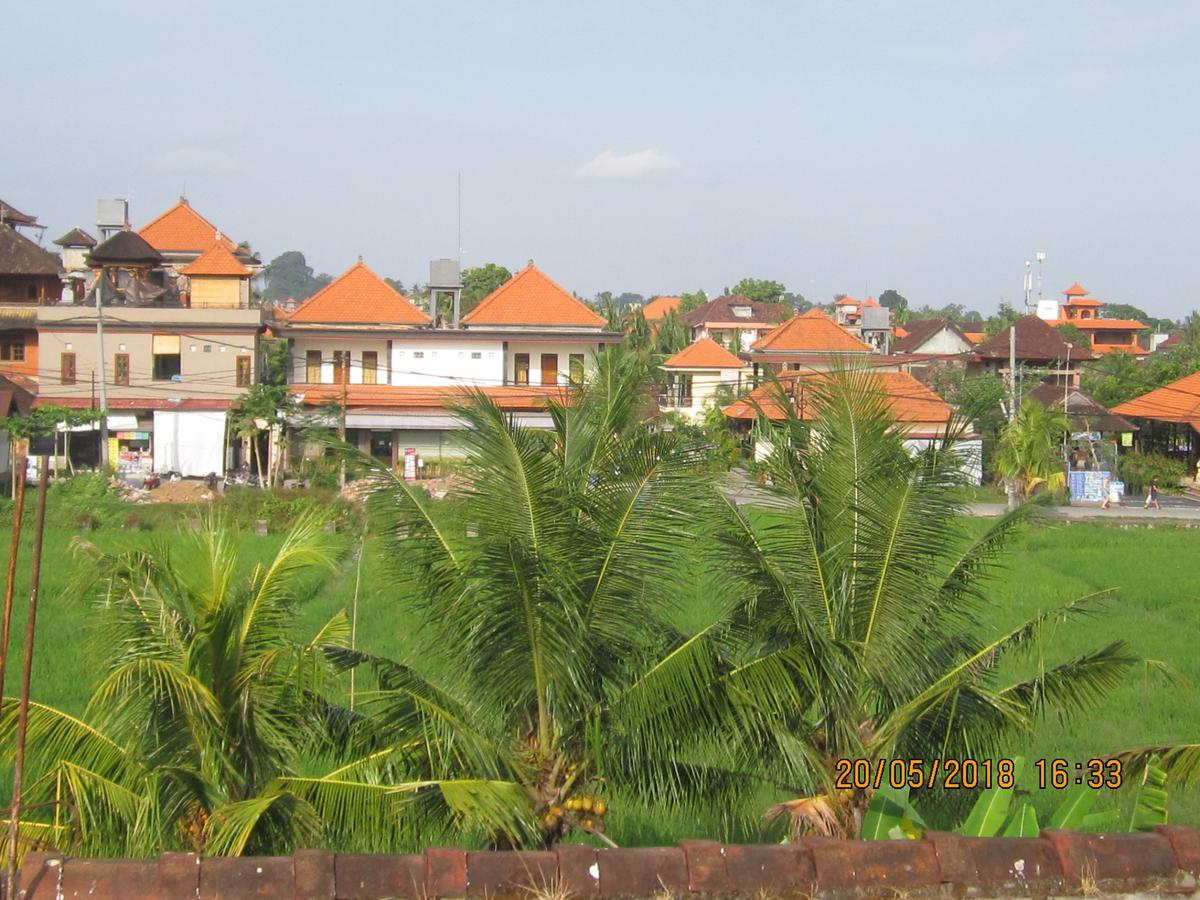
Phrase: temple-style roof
[125,248]
[76,237]
[11,216]
[216,261]
[21,256]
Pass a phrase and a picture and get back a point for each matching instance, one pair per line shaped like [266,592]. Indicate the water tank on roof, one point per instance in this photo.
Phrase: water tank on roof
[444,273]
[111,216]
[875,318]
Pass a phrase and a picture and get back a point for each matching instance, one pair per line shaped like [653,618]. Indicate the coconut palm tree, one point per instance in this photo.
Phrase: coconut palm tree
[863,634]
[550,589]
[1030,447]
[210,698]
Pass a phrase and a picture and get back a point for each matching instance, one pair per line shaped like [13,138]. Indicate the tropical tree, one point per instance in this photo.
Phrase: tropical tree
[1030,450]
[761,289]
[862,619]
[211,706]
[565,682]
[480,281]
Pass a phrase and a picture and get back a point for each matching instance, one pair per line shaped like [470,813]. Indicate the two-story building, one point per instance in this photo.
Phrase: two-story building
[698,376]
[363,346]
[734,321]
[168,373]
[1086,313]
[809,342]
[181,235]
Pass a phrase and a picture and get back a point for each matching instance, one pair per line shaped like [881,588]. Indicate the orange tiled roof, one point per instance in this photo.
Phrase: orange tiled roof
[846,300]
[704,354]
[386,396]
[216,260]
[182,229]
[900,331]
[358,296]
[1076,290]
[812,332]
[909,401]
[1105,324]
[1178,401]
[975,337]
[531,298]
[1081,302]
[659,307]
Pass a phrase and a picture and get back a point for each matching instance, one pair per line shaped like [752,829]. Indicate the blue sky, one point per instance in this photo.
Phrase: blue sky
[650,147]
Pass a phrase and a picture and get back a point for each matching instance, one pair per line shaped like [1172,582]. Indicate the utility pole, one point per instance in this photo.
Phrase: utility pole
[26,674]
[14,546]
[1012,401]
[103,379]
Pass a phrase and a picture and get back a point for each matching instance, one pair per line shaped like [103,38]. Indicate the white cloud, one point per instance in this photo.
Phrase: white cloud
[642,164]
[196,159]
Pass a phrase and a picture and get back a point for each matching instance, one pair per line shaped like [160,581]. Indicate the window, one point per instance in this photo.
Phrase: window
[121,369]
[312,366]
[370,366]
[475,354]
[167,361]
[418,354]
[575,367]
[66,363]
[31,292]
[741,312]
[12,350]
[341,366]
[242,371]
[679,390]
[549,368]
[521,368]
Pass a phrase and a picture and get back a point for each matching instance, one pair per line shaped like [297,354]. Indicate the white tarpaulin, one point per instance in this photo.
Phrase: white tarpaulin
[190,443]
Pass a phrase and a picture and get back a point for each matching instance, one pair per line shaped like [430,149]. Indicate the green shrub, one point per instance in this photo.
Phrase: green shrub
[1139,469]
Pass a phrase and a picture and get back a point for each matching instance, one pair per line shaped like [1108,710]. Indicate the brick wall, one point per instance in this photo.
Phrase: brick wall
[1057,863]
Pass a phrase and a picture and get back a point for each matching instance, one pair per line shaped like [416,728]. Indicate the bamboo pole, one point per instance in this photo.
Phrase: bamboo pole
[14,547]
[26,674]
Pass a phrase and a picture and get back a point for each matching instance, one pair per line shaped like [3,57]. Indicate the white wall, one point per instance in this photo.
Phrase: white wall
[447,363]
[564,349]
[945,341]
[705,383]
[327,346]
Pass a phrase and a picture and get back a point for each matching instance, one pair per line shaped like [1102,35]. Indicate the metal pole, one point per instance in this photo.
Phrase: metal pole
[27,672]
[103,373]
[1012,401]
[14,546]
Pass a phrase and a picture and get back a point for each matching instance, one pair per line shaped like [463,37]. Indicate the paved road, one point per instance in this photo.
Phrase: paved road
[743,491]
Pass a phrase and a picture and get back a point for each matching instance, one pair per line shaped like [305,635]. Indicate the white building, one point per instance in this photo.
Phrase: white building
[361,344]
[696,374]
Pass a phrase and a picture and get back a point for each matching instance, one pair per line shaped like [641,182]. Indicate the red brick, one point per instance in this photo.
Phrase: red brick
[868,864]
[578,870]
[239,878]
[365,876]
[705,866]
[314,875]
[770,867]
[445,872]
[135,879]
[37,879]
[642,872]
[509,872]
[178,874]
[1103,856]
[1185,844]
[955,862]
[1018,863]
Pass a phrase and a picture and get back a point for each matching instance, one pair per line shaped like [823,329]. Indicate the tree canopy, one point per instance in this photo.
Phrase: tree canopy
[761,289]
[290,276]
[893,300]
[480,281]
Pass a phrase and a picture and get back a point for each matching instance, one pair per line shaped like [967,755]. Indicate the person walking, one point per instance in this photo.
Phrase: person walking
[1105,492]
[1152,495]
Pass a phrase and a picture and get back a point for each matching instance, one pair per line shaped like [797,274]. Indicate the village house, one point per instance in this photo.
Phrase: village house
[924,418]
[170,373]
[809,342]
[933,337]
[696,375]
[181,235]
[1085,313]
[1041,353]
[734,321]
[361,345]
[76,244]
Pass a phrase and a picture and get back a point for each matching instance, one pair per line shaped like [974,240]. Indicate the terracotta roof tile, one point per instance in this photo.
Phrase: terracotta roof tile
[910,402]
[216,260]
[183,230]
[809,333]
[1178,401]
[531,298]
[659,307]
[1076,290]
[386,396]
[704,354]
[358,296]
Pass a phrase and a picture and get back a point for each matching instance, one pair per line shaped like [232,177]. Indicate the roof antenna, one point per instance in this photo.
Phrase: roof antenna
[460,220]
